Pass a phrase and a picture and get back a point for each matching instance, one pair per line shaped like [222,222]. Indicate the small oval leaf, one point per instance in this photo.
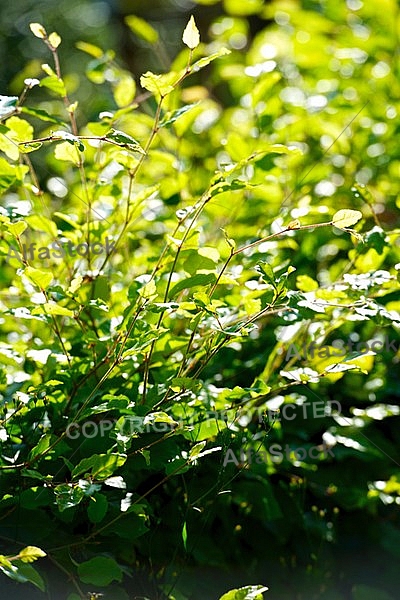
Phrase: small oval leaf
[346,218]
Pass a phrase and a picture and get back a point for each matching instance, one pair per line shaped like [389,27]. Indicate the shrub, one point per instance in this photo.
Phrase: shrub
[177,276]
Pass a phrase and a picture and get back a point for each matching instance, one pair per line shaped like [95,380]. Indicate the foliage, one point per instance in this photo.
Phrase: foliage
[160,264]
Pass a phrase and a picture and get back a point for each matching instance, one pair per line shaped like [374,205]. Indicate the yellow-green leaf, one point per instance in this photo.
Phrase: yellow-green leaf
[159,84]
[19,131]
[90,49]
[27,147]
[9,147]
[5,562]
[48,70]
[305,283]
[39,278]
[75,284]
[52,82]
[30,554]
[142,29]
[364,362]
[54,309]
[203,62]
[16,229]
[346,218]
[191,35]
[42,223]
[67,151]
[195,451]
[54,40]
[125,90]
[38,30]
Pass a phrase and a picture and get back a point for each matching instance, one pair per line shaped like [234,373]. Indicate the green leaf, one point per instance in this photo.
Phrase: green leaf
[184,535]
[39,278]
[7,105]
[123,139]
[68,496]
[19,131]
[24,573]
[35,475]
[142,29]
[100,571]
[267,273]
[66,151]
[125,90]
[346,218]
[201,260]
[41,223]
[52,82]
[51,308]
[42,115]
[250,592]
[195,451]
[55,84]
[174,115]
[224,186]
[207,429]
[27,147]
[161,85]
[90,49]
[97,508]
[16,229]
[191,35]
[202,279]
[305,283]
[203,62]
[100,466]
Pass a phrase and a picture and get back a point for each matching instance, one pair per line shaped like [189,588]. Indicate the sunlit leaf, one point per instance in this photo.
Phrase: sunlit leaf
[161,85]
[39,278]
[251,592]
[123,139]
[16,229]
[173,116]
[191,35]
[203,62]
[42,115]
[30,554]
[90,49]
[125,89]
[38,30]
[346,218]
[54,40]
[142,29]
[68,152]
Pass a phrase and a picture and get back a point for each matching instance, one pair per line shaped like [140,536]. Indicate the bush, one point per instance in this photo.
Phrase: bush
[200,310]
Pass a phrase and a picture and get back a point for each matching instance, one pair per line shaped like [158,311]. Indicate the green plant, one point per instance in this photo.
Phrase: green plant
[129,368]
